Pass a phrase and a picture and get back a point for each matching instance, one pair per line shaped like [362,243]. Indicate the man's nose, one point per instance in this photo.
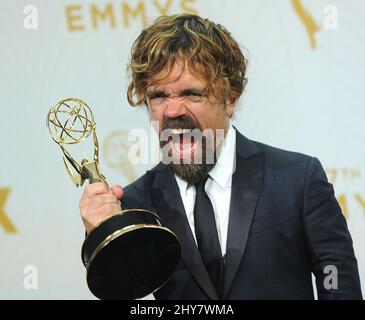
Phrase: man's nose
[174,107]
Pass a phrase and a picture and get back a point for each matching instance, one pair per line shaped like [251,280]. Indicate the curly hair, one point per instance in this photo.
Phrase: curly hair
[208,49]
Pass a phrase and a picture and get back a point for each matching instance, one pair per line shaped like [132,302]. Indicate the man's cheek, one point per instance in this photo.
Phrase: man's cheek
[156,125]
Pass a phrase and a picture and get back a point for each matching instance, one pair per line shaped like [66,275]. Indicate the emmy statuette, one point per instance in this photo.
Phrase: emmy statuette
[130,254]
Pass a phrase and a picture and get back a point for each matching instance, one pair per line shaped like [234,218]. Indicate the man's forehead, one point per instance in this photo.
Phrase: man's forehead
[180,73]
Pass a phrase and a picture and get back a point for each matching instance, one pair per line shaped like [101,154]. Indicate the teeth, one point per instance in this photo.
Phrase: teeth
[180,131]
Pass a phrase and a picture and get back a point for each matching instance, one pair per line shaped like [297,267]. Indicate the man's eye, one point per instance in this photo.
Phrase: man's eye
[157,96]
[195,96]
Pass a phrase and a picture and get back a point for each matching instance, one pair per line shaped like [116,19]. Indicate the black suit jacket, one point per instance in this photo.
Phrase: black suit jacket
[284,224]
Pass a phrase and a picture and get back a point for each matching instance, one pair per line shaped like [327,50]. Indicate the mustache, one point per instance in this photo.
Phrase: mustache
[182,122]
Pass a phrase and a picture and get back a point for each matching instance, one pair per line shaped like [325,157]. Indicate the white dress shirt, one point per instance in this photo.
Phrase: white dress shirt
[217,187]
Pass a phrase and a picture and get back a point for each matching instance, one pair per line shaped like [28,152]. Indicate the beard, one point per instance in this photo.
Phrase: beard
[195,171]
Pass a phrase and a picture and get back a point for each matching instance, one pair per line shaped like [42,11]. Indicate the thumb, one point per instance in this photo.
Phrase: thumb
[117,191]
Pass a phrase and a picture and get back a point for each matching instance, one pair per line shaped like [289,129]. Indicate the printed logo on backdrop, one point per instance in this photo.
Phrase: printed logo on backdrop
[330,20]
[5,221]
[348,183]
[115,152]
[81,17]
[125,151]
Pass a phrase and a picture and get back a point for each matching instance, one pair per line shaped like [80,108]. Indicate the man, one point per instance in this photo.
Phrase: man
[254,222]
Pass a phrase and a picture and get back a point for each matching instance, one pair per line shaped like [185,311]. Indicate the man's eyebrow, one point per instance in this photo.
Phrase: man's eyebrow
[152,93]
[155,93]
[195,91]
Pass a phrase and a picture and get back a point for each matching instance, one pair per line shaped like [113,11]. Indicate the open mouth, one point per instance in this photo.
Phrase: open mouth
[183,143]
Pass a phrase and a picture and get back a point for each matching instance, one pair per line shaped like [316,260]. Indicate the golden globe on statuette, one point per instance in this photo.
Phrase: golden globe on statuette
[128,255]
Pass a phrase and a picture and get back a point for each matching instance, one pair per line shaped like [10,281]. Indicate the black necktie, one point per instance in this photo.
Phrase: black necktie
[207,237]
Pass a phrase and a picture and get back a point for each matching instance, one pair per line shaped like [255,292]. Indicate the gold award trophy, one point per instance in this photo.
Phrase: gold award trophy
[130,254]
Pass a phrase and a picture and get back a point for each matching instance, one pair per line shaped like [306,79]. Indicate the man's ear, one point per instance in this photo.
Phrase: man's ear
[230,106]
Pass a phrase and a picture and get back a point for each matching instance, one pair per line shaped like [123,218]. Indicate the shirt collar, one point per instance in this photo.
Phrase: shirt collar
[224,167]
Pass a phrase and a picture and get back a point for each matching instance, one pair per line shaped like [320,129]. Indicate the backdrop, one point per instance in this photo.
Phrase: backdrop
[305,93]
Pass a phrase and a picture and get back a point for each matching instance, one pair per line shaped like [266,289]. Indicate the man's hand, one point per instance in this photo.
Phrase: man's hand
[99,202]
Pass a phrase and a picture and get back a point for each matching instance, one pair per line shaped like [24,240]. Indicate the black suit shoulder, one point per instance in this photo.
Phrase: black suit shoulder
[287,168]
[278,158]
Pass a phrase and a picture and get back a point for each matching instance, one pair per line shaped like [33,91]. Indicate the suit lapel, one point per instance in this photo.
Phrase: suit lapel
[168,203]
[246,183]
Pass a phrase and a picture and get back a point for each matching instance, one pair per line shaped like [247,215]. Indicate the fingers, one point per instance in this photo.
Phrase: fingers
[99,202]
[103,199]
[117,191]
[96,188]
